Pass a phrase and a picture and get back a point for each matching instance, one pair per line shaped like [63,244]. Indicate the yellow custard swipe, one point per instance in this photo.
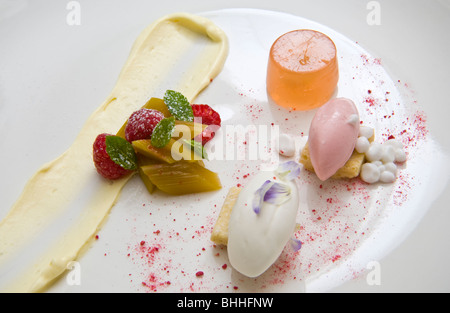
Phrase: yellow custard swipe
[49,225]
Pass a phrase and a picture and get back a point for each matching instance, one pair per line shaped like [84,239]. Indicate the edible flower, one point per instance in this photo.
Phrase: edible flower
[289,170]
[271,192]
[296,244]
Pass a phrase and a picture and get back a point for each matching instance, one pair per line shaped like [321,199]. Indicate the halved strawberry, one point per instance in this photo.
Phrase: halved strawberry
[208,117]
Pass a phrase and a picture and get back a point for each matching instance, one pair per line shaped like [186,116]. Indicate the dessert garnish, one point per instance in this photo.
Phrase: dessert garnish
[163,132]
[114,157]
[270,192]
[179,106]
[296,244]
[141,123]
[149,146]
[381,160]
[208,117]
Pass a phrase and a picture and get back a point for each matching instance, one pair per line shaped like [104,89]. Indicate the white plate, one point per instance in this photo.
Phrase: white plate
[344,225]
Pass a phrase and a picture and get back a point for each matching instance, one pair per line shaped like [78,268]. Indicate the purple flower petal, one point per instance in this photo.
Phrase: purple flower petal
[289,170]
[296,244]
[259,196]
[278,194]
[271,192]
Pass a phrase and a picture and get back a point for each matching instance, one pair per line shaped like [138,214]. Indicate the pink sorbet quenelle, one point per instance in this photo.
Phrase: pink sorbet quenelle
[332,136]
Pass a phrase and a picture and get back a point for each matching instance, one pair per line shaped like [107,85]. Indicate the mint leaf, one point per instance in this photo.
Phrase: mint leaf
[121,152]
[197,147]
[178,106]
[162,133]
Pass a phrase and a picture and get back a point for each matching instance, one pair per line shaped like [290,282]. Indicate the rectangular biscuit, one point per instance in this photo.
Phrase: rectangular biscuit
[219,234]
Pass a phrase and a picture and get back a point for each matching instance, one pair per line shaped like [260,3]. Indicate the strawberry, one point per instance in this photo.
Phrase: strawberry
[141,123]
[103,163]
[208,117]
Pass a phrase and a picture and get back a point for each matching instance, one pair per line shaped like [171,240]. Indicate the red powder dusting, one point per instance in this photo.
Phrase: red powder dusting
[370,100]
[153,283]
[284,269]
[403,187]
[254,110]
[335,258]
[148,253]
[333,229]
[369,60]
[154,278]
[415,129]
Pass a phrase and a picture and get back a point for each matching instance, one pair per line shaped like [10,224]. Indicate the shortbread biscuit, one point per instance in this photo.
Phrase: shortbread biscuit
[351,169]
[219,233]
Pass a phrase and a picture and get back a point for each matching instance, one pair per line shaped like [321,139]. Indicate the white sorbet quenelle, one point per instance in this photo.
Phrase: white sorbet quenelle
[263,220]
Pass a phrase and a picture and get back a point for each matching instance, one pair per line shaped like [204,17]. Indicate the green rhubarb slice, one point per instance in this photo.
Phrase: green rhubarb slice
[174,151]
[182,178]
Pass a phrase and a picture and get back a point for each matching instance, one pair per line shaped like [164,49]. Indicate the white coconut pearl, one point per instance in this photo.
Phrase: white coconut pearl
[375,152]
[391,167]
[365,131]
[370,173]
[377,163]
[362,144]
[397,144]
[380,164]
[387,177]
[388,154]
[400,155]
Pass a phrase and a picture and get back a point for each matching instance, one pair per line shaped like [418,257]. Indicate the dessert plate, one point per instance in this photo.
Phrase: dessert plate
[160,243]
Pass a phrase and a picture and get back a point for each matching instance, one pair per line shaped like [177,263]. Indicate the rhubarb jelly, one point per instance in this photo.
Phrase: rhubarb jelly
[302,72]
